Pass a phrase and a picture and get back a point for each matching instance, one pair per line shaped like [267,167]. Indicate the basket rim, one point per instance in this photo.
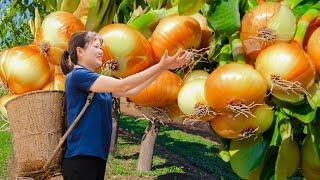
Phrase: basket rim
[31,93]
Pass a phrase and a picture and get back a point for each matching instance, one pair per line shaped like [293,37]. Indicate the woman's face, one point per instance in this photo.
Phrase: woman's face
[91,56]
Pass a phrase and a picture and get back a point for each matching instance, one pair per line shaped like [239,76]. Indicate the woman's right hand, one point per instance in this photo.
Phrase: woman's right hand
[181,58]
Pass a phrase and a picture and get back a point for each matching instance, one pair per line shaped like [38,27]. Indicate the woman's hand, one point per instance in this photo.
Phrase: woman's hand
[181,58]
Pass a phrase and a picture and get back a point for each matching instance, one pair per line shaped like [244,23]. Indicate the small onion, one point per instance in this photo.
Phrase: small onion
[57,29]
[163,91]
[234,85]
[264,25]
[174,112]
[192,101]
[231,127]
[173,33]
[196,74]
[128,50]
[288,70]
[313,48]
[25,69]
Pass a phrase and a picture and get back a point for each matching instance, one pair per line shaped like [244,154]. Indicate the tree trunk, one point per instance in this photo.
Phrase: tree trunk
[147,146]
[115,124]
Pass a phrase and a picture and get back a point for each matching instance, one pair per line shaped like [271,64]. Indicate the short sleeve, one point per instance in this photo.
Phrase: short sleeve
[84,78]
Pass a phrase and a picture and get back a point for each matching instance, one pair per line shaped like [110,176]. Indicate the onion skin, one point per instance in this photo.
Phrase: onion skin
[234,82]
[57,29]
[313,48]
[163,91]
[290,63]
[173,33]
[128,47]
[195,74]
[206,31]
[25,69]
[265,17]
[58,83]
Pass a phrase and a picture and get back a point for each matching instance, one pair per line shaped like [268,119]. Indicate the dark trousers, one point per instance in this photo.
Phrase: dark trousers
[83,168]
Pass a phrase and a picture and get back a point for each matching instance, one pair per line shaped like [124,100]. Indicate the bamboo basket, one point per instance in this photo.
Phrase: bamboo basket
[37,123]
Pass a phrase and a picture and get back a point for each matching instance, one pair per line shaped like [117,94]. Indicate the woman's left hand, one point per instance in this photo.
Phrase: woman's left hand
[181,58]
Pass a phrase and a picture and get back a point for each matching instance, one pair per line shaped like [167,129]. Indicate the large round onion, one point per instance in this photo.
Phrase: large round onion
[264,25]
[25,69]
[313,48]
[173,33]
[127,47]
[229,126]
[163,91]
[192,101]
[288,70]
[57,29]
[234,85]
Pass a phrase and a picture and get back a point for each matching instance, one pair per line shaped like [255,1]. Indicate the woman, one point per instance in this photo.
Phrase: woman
[88,144]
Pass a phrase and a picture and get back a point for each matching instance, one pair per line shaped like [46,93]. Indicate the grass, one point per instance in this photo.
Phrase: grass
[198,151]
[5,151]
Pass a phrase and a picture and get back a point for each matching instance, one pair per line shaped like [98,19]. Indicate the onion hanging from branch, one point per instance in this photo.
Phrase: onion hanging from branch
[174,33]
[192,102]
[163,91]
[240,127]
[24,69]
[235,88]
[288,70]
[126,50]
[264,25]
[57,29]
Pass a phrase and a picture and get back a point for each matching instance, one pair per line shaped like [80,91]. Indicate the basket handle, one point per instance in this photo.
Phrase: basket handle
[64,137]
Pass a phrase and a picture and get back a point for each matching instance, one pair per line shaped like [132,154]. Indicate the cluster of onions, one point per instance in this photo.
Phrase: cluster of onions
[237,93]
[24,69]
[163,91]
[173,33]
[57,29]
[288,70]
[264,25]
[191,98]
[126,50]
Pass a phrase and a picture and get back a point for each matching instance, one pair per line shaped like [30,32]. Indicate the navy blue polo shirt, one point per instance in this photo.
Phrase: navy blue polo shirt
[93,133]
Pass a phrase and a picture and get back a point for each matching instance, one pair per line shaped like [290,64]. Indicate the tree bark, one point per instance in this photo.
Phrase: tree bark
[147,146]
[115,124]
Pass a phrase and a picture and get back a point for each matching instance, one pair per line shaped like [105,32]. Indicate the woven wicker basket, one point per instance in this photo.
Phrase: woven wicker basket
[37,124]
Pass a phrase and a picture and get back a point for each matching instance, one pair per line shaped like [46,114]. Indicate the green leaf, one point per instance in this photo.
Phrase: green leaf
[224,155]
[288,159]
[301,9]
[156,4]
[269,163]
[302,112]
[276,136]
[314,98]
[314,131]
[224,16]
[247,155]
[190,7]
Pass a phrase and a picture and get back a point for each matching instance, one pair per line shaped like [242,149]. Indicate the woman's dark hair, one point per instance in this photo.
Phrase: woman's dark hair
[69,57]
